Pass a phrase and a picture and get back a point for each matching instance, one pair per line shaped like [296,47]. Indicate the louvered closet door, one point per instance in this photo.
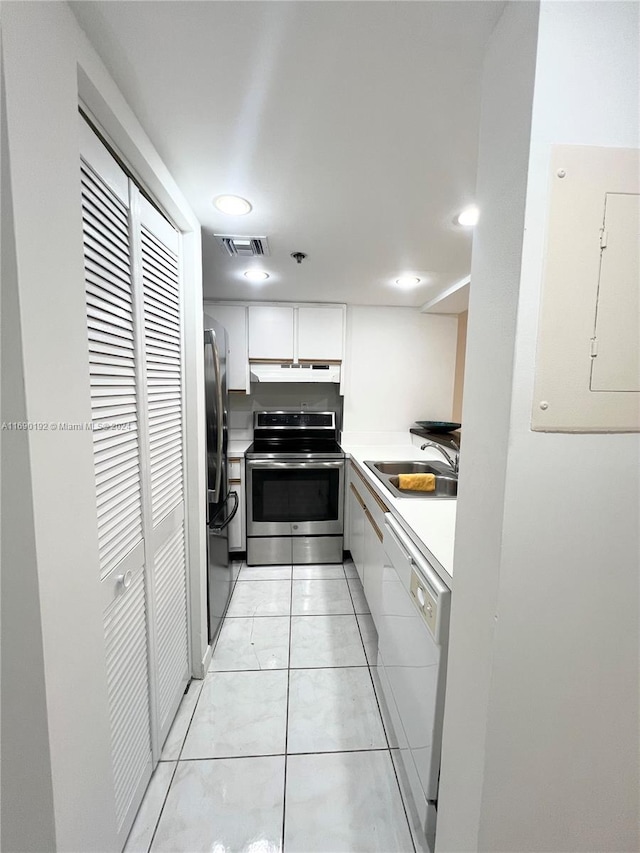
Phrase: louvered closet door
[163,360]
[115,407]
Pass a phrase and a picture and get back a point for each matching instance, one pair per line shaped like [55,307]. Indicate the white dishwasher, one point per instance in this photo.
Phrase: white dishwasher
[412,620]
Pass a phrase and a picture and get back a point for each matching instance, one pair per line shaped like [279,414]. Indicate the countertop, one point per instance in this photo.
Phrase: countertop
[430,523]
[238,446]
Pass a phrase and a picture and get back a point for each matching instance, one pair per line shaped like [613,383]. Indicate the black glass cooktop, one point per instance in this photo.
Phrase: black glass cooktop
[294,445]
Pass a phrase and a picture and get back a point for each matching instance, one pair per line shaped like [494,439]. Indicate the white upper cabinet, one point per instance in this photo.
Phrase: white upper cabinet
[320,333]
[296,333]
[234,320]
[271,332]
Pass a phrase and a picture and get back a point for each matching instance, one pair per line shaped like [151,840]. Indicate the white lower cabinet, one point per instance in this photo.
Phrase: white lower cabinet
[237,528]
[356,529]
[409,665]
[365,519]
[374,566]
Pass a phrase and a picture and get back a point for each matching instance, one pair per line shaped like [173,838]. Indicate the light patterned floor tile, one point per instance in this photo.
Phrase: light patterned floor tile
[265,573]
[320,597]
[224,805]
[369,637]
[325,641]
[333,709]
[239,713]
[260,598]
[147,818]
[350,569]
[328,572]
[250,643]
[357,594]
[178,731]
[344,803]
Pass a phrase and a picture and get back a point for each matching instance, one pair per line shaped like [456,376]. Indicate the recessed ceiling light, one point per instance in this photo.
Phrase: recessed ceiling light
[232,205]
[468,217]
[407,281]
[256,275]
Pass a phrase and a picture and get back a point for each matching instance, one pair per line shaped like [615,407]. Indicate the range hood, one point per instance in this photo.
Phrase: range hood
[320,372]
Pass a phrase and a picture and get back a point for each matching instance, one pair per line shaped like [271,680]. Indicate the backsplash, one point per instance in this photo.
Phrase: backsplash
[316,397]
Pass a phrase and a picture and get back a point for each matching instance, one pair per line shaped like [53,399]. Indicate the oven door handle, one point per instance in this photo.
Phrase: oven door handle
[271,463]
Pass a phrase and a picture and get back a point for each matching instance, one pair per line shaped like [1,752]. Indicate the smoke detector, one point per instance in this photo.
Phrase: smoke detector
[243,247]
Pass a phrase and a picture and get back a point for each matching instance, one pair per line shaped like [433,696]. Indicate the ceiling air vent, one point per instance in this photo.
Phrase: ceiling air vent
[243,247]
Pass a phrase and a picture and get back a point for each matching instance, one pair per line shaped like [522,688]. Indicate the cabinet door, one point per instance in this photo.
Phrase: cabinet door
[356,529]
[374,564]
[236,533]
[271,332]
[163,406]
[136,370]
[116,421]
[234,319]
[320,333]
[237,526]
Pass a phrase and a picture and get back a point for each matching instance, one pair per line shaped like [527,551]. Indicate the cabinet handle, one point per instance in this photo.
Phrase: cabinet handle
[358,498]
[125,580]
[372,522]
[380,503]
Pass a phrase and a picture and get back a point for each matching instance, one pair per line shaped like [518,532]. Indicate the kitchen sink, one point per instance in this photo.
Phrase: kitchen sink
[411,468]
[387,473]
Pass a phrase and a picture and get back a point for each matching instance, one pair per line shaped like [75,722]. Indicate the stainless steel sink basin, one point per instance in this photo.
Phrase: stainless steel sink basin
[410,467]
[387,473]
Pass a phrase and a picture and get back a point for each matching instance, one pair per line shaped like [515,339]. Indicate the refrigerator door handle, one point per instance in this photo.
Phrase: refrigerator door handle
[228,520]
[210,339]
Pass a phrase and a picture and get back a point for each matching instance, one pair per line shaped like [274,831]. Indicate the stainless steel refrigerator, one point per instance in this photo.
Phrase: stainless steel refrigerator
[222,504]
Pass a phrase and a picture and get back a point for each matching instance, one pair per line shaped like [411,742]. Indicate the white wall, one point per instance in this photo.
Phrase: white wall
[551,740]
[22,661]
[63,739]
[320,397]
[400,367]
[496,259]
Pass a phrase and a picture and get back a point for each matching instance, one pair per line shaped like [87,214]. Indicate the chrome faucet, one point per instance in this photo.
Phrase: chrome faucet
[453,461]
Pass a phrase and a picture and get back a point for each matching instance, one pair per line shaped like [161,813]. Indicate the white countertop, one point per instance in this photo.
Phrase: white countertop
[430,523]
[238,446]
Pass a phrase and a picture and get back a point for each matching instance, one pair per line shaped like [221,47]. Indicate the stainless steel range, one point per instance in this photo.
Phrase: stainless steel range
[295,489]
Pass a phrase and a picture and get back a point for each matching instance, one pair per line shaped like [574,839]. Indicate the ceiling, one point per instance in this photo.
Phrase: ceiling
[351,127]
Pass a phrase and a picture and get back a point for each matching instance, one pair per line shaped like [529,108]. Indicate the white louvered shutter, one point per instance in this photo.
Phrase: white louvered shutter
[115,419]
[110,319]
[128,686]
[134,322]
[159,246]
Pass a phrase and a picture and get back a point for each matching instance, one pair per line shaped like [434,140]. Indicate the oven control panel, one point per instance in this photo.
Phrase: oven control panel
[295,420]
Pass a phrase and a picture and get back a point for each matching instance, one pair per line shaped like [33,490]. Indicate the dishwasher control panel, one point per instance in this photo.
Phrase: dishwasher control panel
[424,600]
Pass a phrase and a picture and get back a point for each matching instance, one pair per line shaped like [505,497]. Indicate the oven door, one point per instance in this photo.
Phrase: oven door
[295,498]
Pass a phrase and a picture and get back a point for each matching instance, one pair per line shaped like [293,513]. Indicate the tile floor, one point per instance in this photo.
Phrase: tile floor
[282,746]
